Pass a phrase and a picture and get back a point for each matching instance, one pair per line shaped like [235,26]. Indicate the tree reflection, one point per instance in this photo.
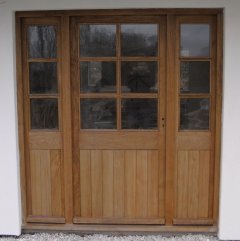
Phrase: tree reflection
[42,42]
[97,40]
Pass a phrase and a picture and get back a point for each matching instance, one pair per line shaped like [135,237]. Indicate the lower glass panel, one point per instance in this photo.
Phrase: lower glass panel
[98,113]
[44,113]
[139,114]
[194,114]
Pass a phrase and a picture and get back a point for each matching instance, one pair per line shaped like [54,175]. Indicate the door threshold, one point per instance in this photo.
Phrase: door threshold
[117,229]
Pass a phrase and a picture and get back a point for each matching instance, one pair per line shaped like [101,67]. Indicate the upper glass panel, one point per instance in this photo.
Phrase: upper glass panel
[98,77]
[42,42]
[139,77]
[139,39]
[195,40]
[43,78]
[97,40]
[194,77]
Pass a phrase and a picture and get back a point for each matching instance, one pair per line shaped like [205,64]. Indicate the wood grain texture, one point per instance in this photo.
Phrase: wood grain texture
[194,141]
[142,184]
[204,176]
[182,185]
[97,181]
[57,199]
[153,188]
[45,140]
[193,170]
[85,183]
[119,188]
[107,140]
[130,183]
[192,191]
[46,181]
[108,183]
[67,118]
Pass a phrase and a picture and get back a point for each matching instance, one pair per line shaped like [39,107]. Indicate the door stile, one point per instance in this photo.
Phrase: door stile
[162,110]
[171,117]
[219,90]
[75,115]
[67,125]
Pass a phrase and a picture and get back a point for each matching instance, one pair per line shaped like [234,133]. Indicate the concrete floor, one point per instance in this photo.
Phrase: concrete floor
[97,237]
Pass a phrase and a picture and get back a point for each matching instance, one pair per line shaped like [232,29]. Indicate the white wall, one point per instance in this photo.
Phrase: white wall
[10,214]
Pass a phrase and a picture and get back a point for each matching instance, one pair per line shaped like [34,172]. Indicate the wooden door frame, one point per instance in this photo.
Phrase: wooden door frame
[170,130]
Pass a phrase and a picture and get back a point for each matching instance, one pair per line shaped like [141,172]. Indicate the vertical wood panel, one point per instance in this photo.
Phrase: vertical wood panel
[182,184]
[153,178]
[45,182]
[141,184]
[35,182]
[97,179]
[56,183]
[130,183]
[119,173]
[85,183]
[204,172]
[108,183]
[193,171]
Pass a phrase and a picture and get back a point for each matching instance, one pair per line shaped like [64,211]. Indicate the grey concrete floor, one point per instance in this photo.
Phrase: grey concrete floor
[99,237]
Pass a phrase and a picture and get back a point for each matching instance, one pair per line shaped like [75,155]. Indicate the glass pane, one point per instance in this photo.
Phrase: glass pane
[195,76]
[139,39]
[194,114]
[44,113]
[98,113]
[195,40]
[42,42]
[43,78]
[139,113]
[139,77]
[98,76]
[97,40]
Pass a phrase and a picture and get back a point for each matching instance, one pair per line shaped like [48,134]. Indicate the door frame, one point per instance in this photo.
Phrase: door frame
[170,130]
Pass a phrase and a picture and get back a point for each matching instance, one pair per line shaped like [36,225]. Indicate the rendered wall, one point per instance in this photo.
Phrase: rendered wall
[10,206]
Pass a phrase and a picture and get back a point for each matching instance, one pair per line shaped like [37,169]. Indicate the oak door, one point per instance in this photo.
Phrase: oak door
[119,117]
[196,65]
[118,99]
[42,102]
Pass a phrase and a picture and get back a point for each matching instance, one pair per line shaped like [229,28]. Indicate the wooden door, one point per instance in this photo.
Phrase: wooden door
[119,117]
[196,65]
[118,90]
[42,101]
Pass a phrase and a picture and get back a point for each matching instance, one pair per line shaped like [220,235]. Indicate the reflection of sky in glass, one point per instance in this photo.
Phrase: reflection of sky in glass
[142,29]
[195,39]
[104,28]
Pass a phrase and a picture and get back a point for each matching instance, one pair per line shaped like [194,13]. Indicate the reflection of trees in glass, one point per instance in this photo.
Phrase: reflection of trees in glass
[42,41]
[139,40]
[139,77]
[43,77]
[98,76]
[97,40]
[195,76]
[98,114]
[44,114]
[194,114]
[139,113]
